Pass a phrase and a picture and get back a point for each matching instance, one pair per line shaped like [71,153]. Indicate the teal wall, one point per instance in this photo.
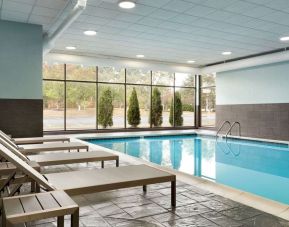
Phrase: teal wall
[256,85]
[20,61]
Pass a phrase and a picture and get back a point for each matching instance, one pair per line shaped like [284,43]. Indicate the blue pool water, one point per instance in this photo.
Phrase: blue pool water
[258,167]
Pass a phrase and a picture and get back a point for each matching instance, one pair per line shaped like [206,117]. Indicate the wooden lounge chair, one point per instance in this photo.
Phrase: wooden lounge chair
[65,158]
[98,180]
[37,148]
[27,208]
[33,140]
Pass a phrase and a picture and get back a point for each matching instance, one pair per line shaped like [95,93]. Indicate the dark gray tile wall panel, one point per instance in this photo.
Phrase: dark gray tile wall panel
[270,121]
[21,117]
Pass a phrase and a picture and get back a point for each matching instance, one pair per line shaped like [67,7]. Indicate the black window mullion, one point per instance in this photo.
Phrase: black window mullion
[151,85]
[174,101]
[64,97]
[125,104]
[96,98]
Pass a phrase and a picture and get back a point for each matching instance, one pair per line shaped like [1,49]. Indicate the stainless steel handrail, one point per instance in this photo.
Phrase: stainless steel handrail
[221,127]
[230,129]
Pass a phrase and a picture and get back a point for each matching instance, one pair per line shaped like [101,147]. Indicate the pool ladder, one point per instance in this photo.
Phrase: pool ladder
[229,132]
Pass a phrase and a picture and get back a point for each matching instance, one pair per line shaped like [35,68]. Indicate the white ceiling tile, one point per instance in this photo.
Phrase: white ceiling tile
[178,6]
[149,21]
[153,3]
[14,16]
[16,6]
[277,17]
[278,4]
[218,4]
[184,19]
[94,2]
[163,14]
[101,12]
[240,6]
[35,19]
[200,10]
[30,2]
[128,17]
[43,11]
[53,4]
[257,12]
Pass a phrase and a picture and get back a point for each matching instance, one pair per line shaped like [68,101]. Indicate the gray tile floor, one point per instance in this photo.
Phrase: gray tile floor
[132,208]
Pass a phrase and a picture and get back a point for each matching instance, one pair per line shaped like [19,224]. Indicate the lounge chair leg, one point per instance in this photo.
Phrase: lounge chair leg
[173,193]
[75,218]
[144,188]
[33,186]
[60,221]
[117,162]
[37,187]
[77,150]
[102,164]
[4,221]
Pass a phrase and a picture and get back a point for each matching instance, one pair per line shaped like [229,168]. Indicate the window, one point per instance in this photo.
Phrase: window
[208,100]
[80,72]
[53,105]
[138,76]
[163,78]
[81,97]
[144,100]
[111,94]
[80,105]
[111,75]
[187,96]
[53,71]
[53,97]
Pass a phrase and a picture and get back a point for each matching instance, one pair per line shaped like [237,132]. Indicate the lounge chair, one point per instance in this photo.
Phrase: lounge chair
[26,208]
[37,148]
[33,140]
[98,180]
[64,158]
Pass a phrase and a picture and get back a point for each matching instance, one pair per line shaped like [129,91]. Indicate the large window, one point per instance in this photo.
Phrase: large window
[79,97]
[53,97]
[208,100]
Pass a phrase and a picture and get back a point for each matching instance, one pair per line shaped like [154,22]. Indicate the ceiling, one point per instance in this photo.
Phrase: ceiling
[162,30]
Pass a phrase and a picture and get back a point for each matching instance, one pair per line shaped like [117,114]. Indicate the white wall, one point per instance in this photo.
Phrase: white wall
[118,62]
[20,61]
[255,85]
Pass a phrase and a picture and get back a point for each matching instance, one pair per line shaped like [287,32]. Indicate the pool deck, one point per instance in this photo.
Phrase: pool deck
[199,200]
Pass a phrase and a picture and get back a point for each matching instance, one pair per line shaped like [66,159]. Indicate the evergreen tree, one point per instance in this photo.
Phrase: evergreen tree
[105,109]
[156,118]
[177,111]
[133,113]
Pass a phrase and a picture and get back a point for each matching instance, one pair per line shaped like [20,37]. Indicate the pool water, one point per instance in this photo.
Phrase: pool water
[258,167]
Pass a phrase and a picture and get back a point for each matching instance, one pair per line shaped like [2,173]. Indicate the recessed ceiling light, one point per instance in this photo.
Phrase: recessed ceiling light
[70,48]
[191,61]
[126,4]
[140,56]
[227,53]
[89,32]
[285,38]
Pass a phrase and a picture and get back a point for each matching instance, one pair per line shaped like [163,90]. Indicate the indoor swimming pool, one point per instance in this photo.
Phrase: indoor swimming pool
[257,167]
